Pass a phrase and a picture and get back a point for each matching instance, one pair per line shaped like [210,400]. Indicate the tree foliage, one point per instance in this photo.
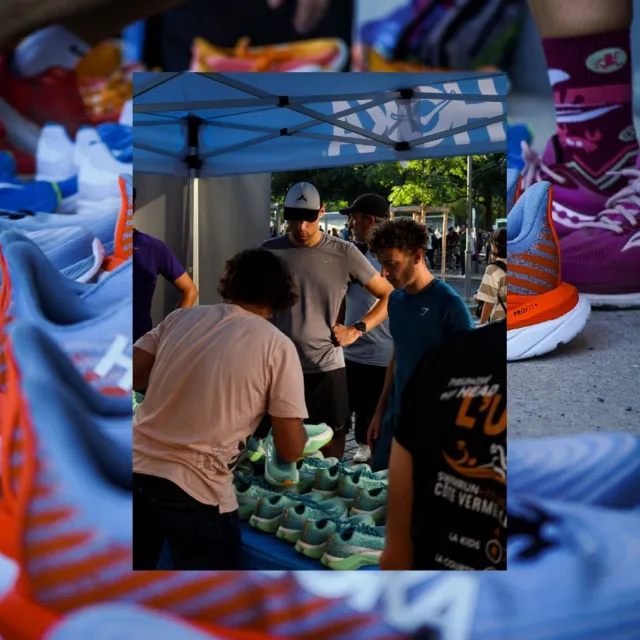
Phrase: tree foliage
[436,182]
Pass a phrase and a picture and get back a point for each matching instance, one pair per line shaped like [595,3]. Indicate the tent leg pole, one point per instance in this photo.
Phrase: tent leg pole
[467,254]
[195,220]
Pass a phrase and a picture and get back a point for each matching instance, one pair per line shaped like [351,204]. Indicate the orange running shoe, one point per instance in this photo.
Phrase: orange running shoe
[329,54]
[543,311]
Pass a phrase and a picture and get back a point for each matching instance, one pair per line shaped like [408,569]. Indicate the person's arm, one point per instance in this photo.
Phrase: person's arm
[188,291]
[398,547]
[363,272]
[286,404]
[143,362]
[487,310]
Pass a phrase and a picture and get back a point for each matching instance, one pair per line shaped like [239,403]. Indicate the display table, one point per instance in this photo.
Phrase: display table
[265,552]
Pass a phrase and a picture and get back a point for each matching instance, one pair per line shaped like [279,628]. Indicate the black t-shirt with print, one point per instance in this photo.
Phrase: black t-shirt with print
[454,424]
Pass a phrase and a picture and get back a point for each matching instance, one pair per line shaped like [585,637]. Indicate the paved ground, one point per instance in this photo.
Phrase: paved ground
[591,384]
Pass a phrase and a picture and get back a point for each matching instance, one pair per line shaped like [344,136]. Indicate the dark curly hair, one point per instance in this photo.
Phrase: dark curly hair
[257,276]
[403,234]
[499,241]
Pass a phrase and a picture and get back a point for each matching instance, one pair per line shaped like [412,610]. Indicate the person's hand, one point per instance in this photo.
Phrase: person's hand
[308,13]
[373,432]
[344,336]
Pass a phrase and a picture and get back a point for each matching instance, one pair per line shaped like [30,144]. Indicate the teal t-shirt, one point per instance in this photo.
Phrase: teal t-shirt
[420,324]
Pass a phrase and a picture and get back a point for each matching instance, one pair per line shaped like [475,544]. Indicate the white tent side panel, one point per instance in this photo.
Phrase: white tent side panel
[163,212]
[234,215]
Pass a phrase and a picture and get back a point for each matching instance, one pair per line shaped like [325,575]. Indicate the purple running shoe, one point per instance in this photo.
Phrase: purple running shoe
[603,259]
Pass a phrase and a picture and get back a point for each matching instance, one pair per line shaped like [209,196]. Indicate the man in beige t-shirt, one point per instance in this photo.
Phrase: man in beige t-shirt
[211,373]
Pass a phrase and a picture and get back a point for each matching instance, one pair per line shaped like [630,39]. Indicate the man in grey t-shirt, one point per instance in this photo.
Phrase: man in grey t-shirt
[323,266]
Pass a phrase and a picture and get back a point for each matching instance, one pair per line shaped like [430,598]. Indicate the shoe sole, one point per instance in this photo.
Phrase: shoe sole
[352,563]
[315,551]
[314,444]
[290,535]
[622,301]
[285,484]
[544,337]
[20,130]
[268,525]
[377,514]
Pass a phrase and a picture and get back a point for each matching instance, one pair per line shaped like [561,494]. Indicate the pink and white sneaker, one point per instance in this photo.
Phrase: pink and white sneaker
[602,259]
[578,194]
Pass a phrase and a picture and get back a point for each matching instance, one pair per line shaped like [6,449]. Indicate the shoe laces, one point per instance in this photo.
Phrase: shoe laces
[307,501]
[622,208]
[535,170]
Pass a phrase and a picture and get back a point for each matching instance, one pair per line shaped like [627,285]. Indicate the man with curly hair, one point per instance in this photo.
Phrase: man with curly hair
[323,267]
[423,313]
[210,372]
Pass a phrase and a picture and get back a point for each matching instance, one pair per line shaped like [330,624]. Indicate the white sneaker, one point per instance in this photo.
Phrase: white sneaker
[126,115]
[55,155]
[98,186]
[362,454]
[85,137]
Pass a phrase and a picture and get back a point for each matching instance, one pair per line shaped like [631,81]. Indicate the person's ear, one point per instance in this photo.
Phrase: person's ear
[322,211]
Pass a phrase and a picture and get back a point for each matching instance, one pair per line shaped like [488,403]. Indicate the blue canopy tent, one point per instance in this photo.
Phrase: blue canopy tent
[201,125]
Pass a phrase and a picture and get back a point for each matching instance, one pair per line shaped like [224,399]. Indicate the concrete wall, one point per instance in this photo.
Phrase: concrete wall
[162,212]
[234,215]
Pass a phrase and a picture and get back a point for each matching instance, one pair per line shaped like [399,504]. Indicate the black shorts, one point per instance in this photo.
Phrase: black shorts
[365,383]
[327,401]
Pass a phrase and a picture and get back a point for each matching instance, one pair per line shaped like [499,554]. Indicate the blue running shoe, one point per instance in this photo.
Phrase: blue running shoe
[38,358]
[102,226]
[109,288]
[30,196]
[98,339]
[119,140]
[597,469]
[71,250]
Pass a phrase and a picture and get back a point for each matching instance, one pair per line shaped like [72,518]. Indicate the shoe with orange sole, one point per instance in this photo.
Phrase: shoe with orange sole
[123,235]
[326,54]
[66,525]
[542,311]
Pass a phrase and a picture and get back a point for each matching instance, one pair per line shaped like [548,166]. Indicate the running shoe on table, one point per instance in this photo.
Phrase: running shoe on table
[255,449]
[315,533]
[602,259]
[600,469]
[269,509]
[308,468]
[30,196]
[97,339]
[327,480]
[294,517]
[543,311]
[354,547]
[371,502]
[330,54]
[249,489]
[349,483]
[28,256]
[82,86]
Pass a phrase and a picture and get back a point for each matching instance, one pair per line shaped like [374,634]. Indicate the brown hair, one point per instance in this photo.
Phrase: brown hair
[499,241]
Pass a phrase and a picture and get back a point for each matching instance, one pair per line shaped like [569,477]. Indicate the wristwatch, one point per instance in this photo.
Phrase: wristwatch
[360,326]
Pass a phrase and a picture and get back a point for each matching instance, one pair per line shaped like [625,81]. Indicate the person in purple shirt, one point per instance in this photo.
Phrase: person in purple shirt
[151,258]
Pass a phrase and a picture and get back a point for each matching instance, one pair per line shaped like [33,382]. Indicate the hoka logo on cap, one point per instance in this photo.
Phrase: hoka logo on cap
[607,60]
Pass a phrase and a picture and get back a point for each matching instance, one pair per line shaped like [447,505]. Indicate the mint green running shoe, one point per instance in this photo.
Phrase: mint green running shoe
[255,450]
[248,491]
[315,533]
[268,511]
[277,472]
[318,435]
[372,502]
[244,468]
[351,482]
[307,469]
[137,400]
[327,480]
[351,548]
[294,517]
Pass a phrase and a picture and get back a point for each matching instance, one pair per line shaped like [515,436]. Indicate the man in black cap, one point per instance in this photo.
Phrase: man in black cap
[323,266]
[368,358]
